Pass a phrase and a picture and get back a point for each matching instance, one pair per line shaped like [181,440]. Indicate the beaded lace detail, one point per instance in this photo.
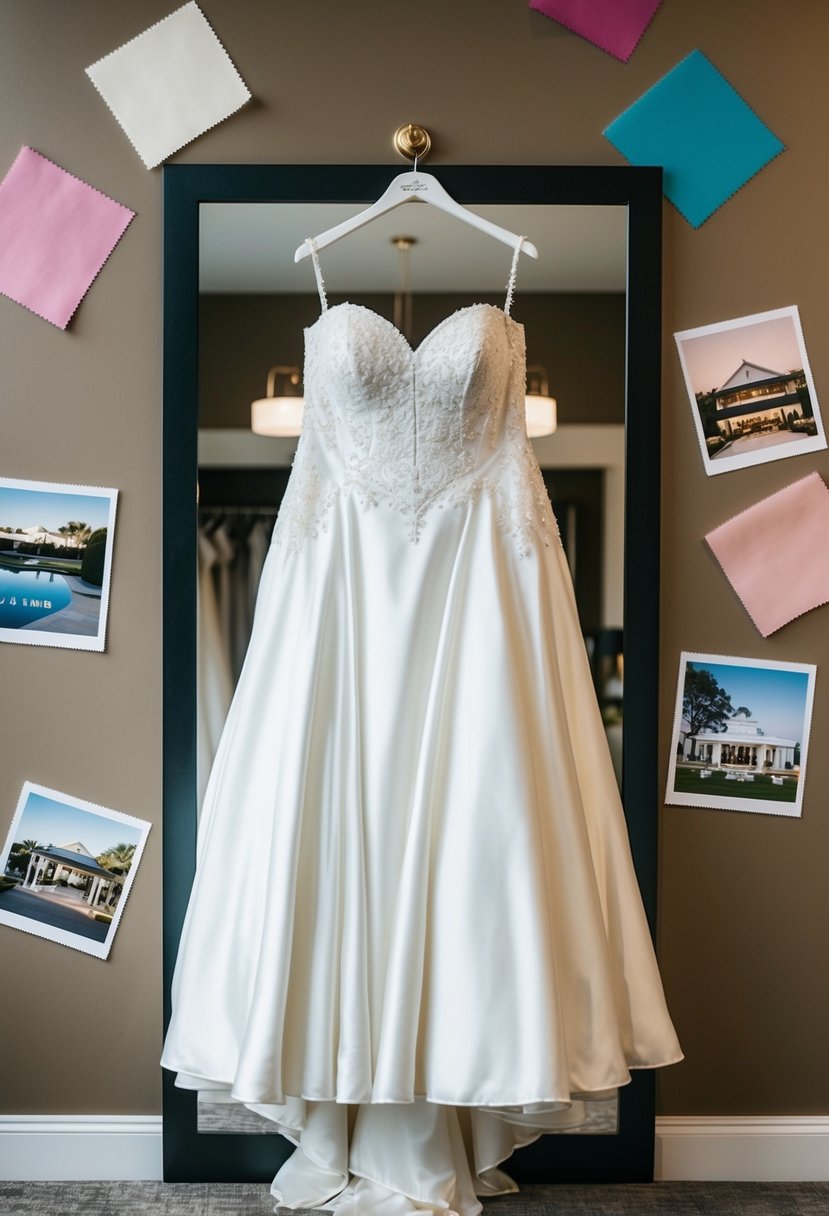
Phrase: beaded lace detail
[312,245]
[418,430]
[512,273]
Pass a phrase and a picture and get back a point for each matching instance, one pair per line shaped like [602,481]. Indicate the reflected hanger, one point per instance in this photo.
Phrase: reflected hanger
[409,187]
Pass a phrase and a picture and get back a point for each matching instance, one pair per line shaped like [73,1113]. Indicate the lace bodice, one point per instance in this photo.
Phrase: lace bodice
[416,429]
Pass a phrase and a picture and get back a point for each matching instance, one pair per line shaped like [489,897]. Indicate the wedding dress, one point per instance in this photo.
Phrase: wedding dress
[415,938]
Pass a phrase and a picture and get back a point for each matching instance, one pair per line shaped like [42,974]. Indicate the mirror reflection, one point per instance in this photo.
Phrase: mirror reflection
[415,267]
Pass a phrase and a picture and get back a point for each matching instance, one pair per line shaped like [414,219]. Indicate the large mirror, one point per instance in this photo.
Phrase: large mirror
[237,306]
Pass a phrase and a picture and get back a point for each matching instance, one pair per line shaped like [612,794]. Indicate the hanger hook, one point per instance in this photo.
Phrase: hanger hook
[414,166]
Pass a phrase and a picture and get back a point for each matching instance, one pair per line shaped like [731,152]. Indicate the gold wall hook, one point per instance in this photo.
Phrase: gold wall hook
[411,140]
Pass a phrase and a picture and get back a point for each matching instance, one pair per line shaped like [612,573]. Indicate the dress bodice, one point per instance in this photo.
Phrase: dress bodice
[412,408]
[415,428]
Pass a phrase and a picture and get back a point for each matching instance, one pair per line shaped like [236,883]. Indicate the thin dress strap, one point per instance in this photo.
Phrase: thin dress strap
[311,243]
[512,273]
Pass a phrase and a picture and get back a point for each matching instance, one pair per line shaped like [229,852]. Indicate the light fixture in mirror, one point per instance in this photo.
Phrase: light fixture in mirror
[279,412]
[541,407]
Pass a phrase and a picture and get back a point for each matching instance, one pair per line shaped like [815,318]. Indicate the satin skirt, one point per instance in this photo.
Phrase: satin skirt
[415,938]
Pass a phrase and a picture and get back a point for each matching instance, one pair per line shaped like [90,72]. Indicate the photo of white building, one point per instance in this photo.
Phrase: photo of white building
[742,745]
[741,733]
[750,389]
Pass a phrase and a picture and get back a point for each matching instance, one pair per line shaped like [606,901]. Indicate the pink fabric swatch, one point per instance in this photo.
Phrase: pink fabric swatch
[775,553]
[613,25]
[56,232]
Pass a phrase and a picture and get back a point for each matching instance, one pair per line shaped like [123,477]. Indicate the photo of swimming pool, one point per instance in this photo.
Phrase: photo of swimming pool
[29,595]
[55,556]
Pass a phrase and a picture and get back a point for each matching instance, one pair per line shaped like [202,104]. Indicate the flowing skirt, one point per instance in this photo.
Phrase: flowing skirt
[415,938]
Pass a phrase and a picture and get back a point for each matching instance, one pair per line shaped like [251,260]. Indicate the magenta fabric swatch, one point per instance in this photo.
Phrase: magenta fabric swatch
[613,25]
[56,232]
[775,553]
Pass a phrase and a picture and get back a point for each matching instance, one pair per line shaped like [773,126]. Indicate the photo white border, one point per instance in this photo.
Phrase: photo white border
[69,641]
[758,805]
[726,464]
[51,932]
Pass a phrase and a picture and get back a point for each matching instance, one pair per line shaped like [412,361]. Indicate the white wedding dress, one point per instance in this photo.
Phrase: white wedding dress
[415,938]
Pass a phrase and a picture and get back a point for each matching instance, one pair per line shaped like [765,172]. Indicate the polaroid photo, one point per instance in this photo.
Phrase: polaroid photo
[55,563]
[751,390]
[741,734]
[67,868]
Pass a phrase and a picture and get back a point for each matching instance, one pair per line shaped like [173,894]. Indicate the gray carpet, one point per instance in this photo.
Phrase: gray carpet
[253,1199]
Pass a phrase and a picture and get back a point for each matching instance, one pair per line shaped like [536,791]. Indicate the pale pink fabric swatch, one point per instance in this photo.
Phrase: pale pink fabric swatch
[56,232]
[615,26]
[775,554]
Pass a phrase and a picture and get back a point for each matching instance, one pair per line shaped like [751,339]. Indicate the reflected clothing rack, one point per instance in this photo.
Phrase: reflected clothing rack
[234,534]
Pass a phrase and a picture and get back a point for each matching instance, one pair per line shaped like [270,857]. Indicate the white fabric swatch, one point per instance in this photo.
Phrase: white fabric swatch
[170,84]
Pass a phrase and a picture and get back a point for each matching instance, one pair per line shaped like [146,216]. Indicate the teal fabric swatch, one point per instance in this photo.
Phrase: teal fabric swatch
[694,124]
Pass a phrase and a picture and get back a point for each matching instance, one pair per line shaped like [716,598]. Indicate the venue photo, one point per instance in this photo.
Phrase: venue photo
[741,731]
[751,390]
[55,561]
[66,868]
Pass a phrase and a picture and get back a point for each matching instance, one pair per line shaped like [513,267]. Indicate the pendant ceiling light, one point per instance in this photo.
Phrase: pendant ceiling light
[541,407]
[279,412]
[403,297]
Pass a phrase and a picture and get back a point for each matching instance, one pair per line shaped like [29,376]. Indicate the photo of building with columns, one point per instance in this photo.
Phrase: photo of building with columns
[73,891]
[742,745]
[741,734]
[62,887]
[74,866]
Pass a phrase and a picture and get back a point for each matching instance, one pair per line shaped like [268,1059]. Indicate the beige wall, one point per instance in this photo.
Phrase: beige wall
[743,898]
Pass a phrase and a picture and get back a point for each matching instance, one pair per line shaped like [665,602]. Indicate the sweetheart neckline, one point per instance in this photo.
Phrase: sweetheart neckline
[413,350]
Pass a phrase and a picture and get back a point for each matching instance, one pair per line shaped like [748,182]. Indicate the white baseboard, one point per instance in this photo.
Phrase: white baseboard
[791,1148]
[758,1148]
[41,1148]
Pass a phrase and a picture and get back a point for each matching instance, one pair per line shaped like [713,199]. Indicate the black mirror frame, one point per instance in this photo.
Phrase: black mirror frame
[193,1156]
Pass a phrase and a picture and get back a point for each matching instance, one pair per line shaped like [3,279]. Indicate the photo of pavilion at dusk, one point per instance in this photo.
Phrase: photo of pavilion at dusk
[741,734]
[67,866]
[55,552]
[751,390]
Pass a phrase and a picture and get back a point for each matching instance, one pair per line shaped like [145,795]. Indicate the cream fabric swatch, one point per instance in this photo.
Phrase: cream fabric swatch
[170,84]
[774,553]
